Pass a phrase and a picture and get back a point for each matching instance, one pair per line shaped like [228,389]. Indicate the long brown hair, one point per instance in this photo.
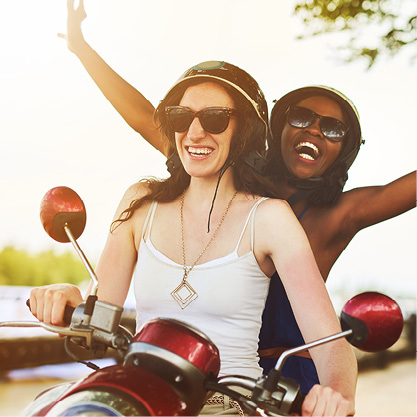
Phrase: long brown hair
[249,137]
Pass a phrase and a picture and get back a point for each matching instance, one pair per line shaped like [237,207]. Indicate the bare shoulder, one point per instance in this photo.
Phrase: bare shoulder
[275,206]
[136,191]
[277,229]
[133,193]
[273,213]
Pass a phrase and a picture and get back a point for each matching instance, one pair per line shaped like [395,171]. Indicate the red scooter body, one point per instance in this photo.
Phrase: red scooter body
[163,375]
[127,390]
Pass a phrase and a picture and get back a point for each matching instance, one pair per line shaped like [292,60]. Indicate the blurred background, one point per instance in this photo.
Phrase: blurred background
[57,129]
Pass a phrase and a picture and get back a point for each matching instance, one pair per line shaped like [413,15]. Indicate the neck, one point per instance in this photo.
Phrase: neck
[201,190]
[204,195]
[286,190]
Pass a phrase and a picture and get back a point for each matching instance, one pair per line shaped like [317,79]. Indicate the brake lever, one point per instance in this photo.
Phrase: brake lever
[65,331]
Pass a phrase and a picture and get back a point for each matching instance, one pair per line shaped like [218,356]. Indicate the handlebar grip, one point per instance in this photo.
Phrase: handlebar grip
[67,313]
[296,405]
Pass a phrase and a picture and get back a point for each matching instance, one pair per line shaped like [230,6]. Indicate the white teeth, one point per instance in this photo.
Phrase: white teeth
[199,151]
[306,156]
[311,146]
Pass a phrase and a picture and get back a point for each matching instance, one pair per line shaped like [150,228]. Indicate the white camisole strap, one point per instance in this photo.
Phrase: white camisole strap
[252,225]
[148,221]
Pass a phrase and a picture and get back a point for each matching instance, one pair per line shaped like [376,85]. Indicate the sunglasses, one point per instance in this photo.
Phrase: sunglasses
[212,119]
[301,117]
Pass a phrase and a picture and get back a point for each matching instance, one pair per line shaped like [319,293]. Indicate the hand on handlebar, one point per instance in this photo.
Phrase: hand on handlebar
[325,401]
[48,303]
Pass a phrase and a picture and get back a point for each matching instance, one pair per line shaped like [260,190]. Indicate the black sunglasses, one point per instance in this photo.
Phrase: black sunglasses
[212,119]
[301,117]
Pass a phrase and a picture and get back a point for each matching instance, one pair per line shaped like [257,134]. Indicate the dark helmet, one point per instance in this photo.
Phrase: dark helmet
[233,77]
[325,189]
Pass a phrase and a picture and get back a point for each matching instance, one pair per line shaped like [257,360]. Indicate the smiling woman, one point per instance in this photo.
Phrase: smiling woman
[301,138]
[192,144]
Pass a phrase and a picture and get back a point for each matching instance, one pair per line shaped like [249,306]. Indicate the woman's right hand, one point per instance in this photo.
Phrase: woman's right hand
[74,36]
[48,303]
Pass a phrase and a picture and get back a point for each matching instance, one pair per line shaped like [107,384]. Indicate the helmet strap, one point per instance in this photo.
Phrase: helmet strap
[298,196]
[173,162]
[222,171]
[305,187]
[255,160]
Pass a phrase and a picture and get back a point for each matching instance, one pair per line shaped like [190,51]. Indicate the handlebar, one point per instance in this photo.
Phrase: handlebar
[93,324]
[68,312]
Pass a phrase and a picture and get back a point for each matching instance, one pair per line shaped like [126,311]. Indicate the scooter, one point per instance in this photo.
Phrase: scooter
[169,367]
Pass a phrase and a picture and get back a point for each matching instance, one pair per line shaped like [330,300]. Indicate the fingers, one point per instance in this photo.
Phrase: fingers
[81,6]
[48,303]
[324,401]
[79,10]
[33,303]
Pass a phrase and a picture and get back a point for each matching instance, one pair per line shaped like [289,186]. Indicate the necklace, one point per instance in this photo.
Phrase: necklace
[184,294]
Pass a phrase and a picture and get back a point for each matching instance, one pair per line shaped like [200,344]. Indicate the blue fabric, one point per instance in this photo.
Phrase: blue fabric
[280,329]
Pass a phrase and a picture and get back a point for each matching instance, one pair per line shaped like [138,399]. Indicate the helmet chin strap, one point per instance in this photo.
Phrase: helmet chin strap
[305,187]
[173,162]
[226,165]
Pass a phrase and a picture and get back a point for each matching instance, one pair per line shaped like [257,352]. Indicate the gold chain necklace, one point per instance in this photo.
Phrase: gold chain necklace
[184,294]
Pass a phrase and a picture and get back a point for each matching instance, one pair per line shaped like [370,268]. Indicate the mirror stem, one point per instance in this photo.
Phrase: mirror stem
[289,352]
[90,270]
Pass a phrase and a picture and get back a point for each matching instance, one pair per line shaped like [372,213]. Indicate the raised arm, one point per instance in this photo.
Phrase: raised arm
[313,310]
[376,204]
[135,109]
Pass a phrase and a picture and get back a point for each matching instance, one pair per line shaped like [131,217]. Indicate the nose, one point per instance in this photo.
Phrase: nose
[196,131]
[314,128]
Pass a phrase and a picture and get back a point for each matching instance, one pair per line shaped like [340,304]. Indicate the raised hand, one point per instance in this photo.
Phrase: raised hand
[74,35]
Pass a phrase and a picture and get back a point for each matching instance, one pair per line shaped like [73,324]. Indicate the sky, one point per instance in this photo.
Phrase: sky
[57,129]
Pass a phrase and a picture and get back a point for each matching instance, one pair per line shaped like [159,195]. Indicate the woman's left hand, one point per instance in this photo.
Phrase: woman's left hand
[74,36]
[325,401]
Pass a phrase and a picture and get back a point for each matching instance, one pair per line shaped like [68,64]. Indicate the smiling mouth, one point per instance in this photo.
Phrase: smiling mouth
[307,150]
[199,151]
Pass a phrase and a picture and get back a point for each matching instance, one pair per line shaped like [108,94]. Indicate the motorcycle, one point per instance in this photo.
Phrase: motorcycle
[169,367]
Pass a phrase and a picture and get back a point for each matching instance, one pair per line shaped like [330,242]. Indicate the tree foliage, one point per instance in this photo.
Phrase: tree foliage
[18,267]
[375,27]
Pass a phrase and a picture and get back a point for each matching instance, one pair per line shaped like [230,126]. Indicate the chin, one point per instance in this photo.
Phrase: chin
[303,174]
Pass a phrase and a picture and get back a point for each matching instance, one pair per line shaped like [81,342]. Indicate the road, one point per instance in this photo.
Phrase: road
[387,392]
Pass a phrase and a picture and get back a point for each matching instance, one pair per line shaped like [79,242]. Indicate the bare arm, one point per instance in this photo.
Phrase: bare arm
[295,263]
[372,205]
[135,109]
[118,259]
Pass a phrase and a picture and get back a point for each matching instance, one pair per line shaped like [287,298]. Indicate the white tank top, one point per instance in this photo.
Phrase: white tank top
[231,296]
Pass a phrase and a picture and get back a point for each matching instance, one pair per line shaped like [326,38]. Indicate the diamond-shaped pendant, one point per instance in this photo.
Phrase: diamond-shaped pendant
[184,294]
